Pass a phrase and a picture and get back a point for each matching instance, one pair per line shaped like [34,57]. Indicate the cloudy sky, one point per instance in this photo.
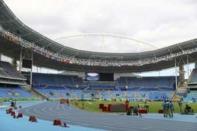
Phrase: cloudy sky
[155,22]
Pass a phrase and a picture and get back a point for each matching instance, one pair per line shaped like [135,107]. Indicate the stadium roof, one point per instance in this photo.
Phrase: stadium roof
[146,61]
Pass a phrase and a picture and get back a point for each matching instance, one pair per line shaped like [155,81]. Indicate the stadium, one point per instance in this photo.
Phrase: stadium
[92,90]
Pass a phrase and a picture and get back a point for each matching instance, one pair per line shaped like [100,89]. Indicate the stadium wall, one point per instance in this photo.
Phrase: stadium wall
[80,74]
[118,75]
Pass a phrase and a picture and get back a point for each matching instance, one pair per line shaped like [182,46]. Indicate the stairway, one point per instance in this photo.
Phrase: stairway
[34,92]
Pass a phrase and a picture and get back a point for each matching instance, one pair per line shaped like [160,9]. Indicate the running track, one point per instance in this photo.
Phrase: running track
[105,121]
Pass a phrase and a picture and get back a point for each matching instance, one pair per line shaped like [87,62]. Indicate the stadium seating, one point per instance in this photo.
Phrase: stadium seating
[193,77]
[13,92]
[191,97]
[9,75]
[8,71]
[64,86]
[192,80]
[56,80]
[137,95]
[56,92]
[146,83]
[103,94]
[100,85]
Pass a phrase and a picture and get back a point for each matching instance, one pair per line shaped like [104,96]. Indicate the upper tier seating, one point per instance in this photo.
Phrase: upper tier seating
[146,83]
[8,71]
[193,77]
[56,80]
[133,83]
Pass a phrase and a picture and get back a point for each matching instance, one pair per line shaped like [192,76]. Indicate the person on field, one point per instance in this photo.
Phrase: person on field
[164,108]
[167,108]
[139,113]
[171,109]
[180,103]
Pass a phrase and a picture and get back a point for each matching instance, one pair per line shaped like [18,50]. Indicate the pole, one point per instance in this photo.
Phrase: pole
[21,60]
[188,66]
[31,68]
[176,73]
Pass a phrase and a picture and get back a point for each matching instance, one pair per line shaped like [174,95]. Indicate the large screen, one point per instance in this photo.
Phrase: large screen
[106,77]
[92,76]
[99,76]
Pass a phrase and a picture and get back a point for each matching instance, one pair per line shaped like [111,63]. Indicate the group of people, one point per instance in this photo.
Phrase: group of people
[168,108]
[187,110]
[134,111]
[14,105]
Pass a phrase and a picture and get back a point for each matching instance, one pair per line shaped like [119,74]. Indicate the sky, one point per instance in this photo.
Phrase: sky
[157,23]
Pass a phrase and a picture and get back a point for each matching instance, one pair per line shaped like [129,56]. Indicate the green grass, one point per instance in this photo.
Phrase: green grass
[93,106]
[154,106]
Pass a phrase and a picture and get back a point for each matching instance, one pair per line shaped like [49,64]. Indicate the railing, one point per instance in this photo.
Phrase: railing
[90,62]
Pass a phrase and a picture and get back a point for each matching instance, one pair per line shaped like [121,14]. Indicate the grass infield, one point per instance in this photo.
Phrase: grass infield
[154,106]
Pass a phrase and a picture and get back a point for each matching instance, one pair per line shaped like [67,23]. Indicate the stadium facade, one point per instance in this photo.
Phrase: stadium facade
[19,42]
[16,36]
